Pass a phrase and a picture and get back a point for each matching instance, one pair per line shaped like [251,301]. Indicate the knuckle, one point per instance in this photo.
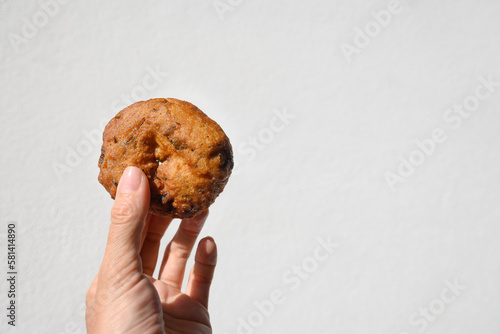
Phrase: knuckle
[193,226]
[122,212]
[154,237]
[208,260]
[89,297]
[191,231]
[204,277]
[181,252]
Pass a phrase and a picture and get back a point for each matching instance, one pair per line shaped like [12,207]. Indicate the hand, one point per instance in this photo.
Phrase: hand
[124,297]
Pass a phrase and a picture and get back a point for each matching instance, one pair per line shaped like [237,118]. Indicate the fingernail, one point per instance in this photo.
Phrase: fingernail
[210,250]
[130,180]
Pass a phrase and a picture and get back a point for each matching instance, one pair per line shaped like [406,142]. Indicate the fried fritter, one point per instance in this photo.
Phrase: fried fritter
[186,156]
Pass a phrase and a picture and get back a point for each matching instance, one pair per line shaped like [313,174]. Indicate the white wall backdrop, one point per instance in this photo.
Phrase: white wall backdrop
[366,135]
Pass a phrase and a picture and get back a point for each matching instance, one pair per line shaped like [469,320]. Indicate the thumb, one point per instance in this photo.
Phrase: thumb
[127,221]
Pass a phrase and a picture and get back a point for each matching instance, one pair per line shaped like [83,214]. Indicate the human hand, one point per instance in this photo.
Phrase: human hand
[124,297]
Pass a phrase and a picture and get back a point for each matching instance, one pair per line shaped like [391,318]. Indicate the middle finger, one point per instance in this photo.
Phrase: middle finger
[178,250]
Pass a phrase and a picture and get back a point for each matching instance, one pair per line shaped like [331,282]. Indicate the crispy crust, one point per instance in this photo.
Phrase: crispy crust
[186,156]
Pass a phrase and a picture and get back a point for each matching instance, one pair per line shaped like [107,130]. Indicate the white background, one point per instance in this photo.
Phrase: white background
[322,175]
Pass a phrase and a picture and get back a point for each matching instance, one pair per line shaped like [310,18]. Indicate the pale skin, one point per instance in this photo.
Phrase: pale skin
[124,297]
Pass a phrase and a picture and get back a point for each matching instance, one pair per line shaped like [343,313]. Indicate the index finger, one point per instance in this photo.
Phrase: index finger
[151,245]
[178,250]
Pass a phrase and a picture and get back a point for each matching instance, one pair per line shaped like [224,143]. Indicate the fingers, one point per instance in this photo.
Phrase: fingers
[179,249]
[202,273]
[127,221]
[152,238]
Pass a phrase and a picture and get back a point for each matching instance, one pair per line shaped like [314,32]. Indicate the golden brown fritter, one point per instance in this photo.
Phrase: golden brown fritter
[186,156]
